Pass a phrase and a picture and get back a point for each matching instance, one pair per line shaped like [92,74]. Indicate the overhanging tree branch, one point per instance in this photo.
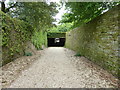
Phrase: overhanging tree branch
[4,9]
[2,6]
[7,9]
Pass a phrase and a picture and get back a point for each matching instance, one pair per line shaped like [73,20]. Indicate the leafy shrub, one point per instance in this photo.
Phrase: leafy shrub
[39,38]
[15,34]
[77,54]
[28,54]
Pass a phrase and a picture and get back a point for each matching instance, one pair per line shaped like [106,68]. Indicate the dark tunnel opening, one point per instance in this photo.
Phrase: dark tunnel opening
[56,42]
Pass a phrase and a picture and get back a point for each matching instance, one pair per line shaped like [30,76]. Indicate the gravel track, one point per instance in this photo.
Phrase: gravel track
[58,68]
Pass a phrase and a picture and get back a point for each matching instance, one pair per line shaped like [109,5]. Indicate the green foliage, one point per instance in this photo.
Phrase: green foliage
[14,28]
[56,35]
[38,14]
[15,33]
[77,54]
[83,12]
[39,39]
[28,54]
[40,49]
[61,28]
[32,23]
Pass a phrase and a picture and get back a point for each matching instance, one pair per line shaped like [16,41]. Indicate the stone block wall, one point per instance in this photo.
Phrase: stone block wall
[98,40]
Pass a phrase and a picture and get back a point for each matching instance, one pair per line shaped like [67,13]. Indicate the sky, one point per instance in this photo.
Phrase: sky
[61,12]
[58,16]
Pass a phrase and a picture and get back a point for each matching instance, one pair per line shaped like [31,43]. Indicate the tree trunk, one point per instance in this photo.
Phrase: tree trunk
[3,6]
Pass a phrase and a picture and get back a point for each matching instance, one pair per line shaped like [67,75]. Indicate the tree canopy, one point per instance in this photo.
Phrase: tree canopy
[82,12]
[38,14]
[61,28]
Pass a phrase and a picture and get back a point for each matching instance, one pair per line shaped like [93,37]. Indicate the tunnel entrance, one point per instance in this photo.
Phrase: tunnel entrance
[56,42]
[56,39]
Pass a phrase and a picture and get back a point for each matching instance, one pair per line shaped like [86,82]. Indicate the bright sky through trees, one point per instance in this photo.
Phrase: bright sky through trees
[60,13]
[58,16]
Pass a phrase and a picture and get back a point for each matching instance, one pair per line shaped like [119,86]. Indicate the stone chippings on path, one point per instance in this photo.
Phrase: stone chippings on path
[91,70]
[12,70]
[59,68]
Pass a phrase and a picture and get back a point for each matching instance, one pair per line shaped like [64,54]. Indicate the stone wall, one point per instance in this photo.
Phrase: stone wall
[19,39]
[98,40]
[15,34]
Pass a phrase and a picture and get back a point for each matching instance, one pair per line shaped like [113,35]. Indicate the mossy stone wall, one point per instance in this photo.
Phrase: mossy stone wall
[15,34]
[98,40]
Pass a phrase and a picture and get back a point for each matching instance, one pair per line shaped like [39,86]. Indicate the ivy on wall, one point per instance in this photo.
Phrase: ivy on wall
[15,33]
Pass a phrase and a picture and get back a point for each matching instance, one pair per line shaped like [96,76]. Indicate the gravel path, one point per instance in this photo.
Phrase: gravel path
[57,69]
[12,70]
